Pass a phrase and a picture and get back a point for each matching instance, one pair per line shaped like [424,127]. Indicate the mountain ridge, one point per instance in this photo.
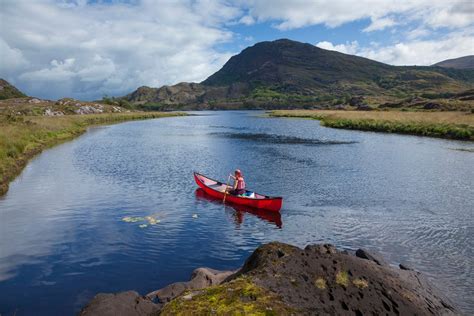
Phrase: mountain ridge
[464,62]
[285,73]
[9,91]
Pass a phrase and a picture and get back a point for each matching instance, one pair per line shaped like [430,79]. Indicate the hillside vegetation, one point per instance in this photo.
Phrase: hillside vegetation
[8,91]
[465,62]
[286,74]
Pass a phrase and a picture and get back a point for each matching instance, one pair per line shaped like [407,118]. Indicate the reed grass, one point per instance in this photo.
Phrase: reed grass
[21,137]
[452,125]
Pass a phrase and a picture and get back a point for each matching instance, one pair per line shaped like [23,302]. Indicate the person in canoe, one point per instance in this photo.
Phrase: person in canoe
[239,183]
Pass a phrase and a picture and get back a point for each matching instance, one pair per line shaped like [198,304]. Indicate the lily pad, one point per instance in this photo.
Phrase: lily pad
[130,219]
[152,220]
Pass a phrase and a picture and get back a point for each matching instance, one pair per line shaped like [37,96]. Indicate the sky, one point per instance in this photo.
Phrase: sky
[89,49]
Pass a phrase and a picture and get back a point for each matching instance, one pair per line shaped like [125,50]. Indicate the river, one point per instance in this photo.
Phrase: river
[73,223]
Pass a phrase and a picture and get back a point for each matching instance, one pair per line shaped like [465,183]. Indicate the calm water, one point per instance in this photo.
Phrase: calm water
[63,237]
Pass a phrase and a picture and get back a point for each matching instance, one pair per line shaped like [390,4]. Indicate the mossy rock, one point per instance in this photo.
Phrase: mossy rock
[238,297]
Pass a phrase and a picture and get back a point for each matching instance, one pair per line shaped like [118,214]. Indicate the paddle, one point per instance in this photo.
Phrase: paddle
[226,187]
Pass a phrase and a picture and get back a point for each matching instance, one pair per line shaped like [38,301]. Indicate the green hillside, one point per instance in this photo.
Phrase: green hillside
[290,74]
[7,91]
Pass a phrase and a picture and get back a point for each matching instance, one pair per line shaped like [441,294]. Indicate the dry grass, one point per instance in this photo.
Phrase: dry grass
[397,116]
[456,125]
[23,137]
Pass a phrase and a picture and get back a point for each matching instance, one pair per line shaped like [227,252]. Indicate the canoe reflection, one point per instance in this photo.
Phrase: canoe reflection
[240,210]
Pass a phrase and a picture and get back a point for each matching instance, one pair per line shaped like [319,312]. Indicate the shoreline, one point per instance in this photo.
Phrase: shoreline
[22,138]
[281,279]
[428,124]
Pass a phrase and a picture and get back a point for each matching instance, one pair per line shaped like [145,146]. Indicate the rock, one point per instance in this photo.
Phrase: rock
[324,248]
[317,280]
[372,256]
[356,101]
[200,279]
[49,112]
[65,101]
[404,267]
[364,107]
[122,304]
[87,109]
[432,106]
[34,100]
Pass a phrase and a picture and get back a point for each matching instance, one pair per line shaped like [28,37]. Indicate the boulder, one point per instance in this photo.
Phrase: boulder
[432,106]
[372,256]
[128,303]
[364,107]
[34,101]
[278,278]
[87,109]
[200,279]
[49,112]
[356,101]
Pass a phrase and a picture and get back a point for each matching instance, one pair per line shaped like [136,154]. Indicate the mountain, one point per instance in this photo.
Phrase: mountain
[466,62]
[8,91]
[285,73]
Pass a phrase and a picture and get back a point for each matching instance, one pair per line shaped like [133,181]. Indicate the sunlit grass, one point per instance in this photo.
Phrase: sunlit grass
[455,125]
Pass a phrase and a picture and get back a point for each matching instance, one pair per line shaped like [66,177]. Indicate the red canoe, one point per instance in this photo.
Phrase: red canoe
[216,189]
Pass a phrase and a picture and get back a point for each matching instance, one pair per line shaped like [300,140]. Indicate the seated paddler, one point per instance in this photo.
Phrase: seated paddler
[239,183]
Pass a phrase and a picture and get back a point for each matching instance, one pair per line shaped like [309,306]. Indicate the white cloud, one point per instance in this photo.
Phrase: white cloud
[247,20]
[415,52]
[380,24]
[12,59]
[300,13]
[417,33]
[347,48]
[57,49]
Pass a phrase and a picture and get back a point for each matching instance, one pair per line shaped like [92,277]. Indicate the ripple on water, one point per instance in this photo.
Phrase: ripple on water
[63,238]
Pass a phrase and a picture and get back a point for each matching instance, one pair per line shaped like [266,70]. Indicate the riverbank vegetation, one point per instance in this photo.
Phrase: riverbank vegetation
[22,137]
[452,125]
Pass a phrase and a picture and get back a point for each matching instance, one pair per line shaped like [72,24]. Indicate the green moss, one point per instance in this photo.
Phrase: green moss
[342,278]
[238,297]
[320,283]
[360,283]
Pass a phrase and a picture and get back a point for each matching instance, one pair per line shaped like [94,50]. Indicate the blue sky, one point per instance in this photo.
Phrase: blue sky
[88,49]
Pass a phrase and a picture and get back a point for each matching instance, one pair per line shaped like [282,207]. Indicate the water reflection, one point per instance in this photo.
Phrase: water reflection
[67,230]
[240,211]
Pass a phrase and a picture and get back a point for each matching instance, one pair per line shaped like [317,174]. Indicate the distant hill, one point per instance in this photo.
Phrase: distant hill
[8,91]
[290,74]
[466,62]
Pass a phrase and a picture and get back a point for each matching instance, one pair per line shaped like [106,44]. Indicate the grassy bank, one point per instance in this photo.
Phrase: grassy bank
[452,125]
[23,137]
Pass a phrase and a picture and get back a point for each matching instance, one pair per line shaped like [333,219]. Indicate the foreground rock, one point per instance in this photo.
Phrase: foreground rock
[285,280]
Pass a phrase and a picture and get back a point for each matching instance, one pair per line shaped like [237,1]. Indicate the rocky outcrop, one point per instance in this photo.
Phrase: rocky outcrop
[67,106]
[122,304]
[201,278]
[283,279]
